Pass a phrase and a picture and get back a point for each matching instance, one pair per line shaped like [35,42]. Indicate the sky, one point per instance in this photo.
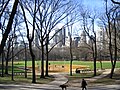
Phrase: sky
[93,4]
[96,6]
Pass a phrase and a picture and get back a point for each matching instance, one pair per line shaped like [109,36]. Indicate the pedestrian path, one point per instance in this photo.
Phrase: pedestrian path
[54,85]
[59,79]
[105,73]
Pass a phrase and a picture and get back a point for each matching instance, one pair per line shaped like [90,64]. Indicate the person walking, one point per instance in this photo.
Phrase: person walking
[83,84]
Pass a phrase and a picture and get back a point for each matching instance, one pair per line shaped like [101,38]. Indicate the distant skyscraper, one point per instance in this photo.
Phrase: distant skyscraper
[101,39]
[56,38]
[63,36]
[76,39]
[60,37]
[36,39]
[83,38]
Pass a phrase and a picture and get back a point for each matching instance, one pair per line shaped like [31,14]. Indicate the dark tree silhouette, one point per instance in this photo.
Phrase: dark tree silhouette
[115,2]
[30,39]
[9,25]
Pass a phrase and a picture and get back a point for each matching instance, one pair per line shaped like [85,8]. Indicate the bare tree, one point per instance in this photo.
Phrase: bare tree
[88,30]
[112,34]
[70,31]
[71,48]
[114,27]
[51,13]
[31,37]
[4,5]
[116,2]
[9,25]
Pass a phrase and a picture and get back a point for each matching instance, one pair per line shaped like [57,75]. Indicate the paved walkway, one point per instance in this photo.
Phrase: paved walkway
[105,72]
[59,79]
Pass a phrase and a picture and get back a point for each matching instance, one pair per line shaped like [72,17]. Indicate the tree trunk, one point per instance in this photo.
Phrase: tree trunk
[6,67]
[71,56]
[94,66]
[47,55]
[115,56]
[42,61]
[25,62]
[7,59]
[101,64]
[112,70]
[95,57]
[9,25]
[47,65]
[12,62]
[33,63]
[3,64]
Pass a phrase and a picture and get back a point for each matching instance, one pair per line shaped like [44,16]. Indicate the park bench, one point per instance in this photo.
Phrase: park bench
[64,86]
[23,68]
[19,73]
[86,70]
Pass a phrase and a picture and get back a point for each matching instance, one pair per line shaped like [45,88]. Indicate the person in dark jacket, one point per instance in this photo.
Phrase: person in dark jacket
[83,84]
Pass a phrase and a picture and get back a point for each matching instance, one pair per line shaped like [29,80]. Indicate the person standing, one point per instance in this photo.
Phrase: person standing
[83,84]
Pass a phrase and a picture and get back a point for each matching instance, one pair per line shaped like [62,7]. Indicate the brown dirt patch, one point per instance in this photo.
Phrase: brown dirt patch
[65,68]
[60,68]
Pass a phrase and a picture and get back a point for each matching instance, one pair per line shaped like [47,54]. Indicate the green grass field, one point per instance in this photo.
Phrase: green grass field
[20,64]
[20,79]
[90,64]
[105,64]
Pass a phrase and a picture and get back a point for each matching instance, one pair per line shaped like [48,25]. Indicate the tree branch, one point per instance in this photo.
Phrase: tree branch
[115,2]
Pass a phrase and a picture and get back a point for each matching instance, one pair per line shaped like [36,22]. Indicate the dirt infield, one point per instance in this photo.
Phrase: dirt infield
[65,68]
[60,68]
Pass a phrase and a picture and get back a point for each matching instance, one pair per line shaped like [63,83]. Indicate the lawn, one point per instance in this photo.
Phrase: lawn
[90,64]
[19,65]
[75,79]
[20,79]
[108,81]
[105,64]
[54,66]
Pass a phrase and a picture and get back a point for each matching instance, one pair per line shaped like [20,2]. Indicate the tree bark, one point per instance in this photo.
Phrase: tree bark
[42,61]
[30,39]
[71,56]
[95,57]
[7,58]
[115,56]
[33,63]
[47,55]
[9,25]
[115,2]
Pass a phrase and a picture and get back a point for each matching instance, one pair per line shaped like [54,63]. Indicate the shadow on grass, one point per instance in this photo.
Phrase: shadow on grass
[20,79]
[108,81]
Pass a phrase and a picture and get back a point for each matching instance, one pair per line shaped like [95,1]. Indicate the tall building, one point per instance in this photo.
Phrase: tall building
[83,39]
[36,42]
[60,37]
[102,39]
[76,41]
